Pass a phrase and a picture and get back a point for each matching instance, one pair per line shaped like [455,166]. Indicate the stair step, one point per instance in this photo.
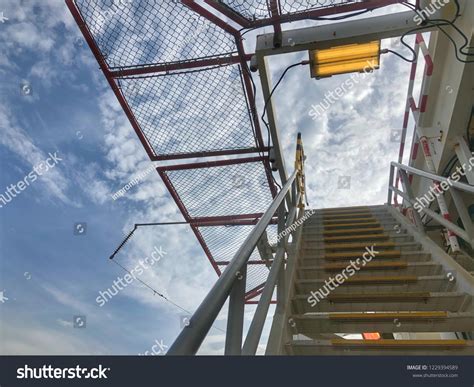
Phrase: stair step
[359,284]
[358,248]
[352,253]
[400,316]
[331,222]
[318,237]
[356,254]
[379,347]
[356,237]
[377,297]
[385,268]
[373,230]
[399,343]
[380,302]
[349,225]
[408,256]
[312,325]
[368,266]
[345,215]
[344,209]
[357,245]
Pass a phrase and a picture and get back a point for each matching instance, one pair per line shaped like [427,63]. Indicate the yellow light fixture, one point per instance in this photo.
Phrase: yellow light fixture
[364,57]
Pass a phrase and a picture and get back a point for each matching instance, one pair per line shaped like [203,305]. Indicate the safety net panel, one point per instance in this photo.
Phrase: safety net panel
[138,33]
[192,112]
[296,6]
[224,241]
[259,9]
[225,189]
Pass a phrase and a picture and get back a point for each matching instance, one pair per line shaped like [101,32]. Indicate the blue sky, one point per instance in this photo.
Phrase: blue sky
[49,274]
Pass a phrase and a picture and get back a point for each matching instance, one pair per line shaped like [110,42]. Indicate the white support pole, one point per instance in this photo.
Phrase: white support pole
[425,145]
[464,155]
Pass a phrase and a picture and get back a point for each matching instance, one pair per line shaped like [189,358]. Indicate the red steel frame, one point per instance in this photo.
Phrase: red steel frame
[195,222]
[411,107]
[276,19]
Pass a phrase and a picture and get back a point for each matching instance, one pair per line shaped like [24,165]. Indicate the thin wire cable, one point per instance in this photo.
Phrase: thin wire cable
[158,293]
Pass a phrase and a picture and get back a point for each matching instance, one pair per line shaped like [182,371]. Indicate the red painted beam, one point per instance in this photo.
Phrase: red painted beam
[166,67]
[105,69]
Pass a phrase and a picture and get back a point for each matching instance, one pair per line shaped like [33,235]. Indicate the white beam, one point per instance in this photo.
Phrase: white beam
[464,155]
[334,34]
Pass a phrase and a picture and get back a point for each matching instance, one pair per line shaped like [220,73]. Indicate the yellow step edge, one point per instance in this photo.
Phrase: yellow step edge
[359,208]
[378,297]
[405,316]
[398,343]
[350,224]
[348,215]
[347,261]
[363,237]
[381,280]
[356,254]
[370,265]
[374,230]
[333,246]
[347,220]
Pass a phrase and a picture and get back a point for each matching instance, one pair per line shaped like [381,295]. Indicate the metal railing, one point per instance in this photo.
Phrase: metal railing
[231,284]
[443,185]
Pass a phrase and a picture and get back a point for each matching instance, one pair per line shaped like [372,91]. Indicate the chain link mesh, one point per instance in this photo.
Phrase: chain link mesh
[259,9]
[224,241]
[295,6]
[234,189]
[138,33]
[192,112]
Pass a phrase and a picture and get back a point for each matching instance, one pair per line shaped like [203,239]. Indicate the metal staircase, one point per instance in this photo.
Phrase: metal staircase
[399,290]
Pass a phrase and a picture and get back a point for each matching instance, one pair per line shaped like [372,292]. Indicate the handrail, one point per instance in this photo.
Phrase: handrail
[432,176]
[258,322]
[467,233]
[192,336]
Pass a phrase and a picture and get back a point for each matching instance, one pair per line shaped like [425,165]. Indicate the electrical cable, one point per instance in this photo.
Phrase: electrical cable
[268,100]
[439,23]
[312,18]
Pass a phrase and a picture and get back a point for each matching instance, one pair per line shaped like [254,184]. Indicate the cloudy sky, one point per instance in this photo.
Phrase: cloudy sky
[56,235]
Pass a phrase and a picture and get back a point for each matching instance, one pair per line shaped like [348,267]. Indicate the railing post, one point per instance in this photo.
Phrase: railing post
[192,336]
[464,155]
[408,190]
[281,244]
[256,326]
[235,319]
[390,182]
[463,214]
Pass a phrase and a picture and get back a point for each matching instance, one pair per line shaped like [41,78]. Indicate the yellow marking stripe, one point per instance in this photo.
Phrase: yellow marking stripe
[351,224]
[398,343]
[332,246]
[354,231]
[388,316]
[374,297]
[347,220]
[363,237]
[382,280]
[357,254]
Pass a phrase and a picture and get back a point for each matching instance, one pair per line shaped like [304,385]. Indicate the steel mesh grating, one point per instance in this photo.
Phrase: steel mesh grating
[138,33]
[296,6]
[192,112]
[224,241]
[259,9]
[224,190]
